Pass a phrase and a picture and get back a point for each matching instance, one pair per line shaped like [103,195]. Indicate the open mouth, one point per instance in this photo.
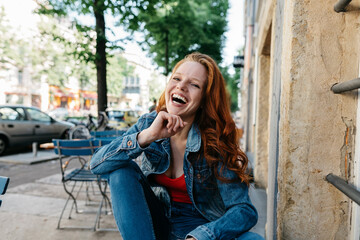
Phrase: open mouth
[178,99]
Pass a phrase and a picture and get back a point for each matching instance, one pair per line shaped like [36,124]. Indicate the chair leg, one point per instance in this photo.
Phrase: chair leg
[105,203]
[62,212]
[75,202]
[97,219]
[107,200]
[72,196]
[87,198]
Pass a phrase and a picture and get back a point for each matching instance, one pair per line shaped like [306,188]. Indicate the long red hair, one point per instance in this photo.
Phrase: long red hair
[220,138]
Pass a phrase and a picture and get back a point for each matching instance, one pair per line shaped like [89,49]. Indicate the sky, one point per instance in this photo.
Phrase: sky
[22,17]
[235,34]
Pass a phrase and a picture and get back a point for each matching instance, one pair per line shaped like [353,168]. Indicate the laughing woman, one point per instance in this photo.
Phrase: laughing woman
[192,182]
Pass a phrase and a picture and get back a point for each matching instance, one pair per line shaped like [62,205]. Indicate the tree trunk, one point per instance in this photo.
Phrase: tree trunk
[100,59]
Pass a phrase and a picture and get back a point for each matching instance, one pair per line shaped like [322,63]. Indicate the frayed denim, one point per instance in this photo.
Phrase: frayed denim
[227,206]
[139,214]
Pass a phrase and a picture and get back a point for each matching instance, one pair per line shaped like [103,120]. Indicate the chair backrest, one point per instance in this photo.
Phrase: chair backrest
[4,182]
[101,141]
[83,147]
[107,134]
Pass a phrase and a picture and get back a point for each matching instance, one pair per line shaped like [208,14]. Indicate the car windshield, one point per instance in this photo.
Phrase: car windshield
[37,115]
[116,115]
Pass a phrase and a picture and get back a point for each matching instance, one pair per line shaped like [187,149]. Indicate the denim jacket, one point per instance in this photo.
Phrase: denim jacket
[227,206]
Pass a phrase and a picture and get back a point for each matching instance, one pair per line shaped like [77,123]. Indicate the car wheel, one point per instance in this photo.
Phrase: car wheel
[65,135]
[3,145]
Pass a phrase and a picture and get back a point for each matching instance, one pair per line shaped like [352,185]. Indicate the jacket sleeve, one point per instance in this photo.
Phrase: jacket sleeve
[240,215]
[121,150]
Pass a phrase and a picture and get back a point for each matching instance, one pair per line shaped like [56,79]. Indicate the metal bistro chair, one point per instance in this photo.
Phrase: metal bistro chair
[4,182]
[77,151]
[107,134]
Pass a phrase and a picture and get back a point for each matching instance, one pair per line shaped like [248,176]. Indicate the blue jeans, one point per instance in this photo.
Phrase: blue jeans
[184,218]
[139,214]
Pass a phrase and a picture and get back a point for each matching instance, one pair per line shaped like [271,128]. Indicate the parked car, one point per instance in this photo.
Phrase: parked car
[121,118]
[59,113]
[21,126]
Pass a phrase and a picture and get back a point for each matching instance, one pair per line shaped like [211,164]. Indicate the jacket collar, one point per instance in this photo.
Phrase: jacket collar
[194,139]
[193,142]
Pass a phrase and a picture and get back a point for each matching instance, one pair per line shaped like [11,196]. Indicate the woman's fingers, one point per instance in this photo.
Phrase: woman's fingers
[166,125]
[174,123]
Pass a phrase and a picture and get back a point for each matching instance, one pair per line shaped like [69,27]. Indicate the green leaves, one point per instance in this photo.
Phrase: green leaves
[117,71]
[171,29]
[174,28]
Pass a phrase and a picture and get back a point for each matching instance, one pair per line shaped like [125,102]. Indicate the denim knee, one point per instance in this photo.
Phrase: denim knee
[124,173]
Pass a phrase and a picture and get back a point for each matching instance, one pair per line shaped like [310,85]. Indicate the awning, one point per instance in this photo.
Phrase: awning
[89,95]
[59,93]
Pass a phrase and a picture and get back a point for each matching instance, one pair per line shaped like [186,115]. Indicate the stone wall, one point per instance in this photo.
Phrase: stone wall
[317,128]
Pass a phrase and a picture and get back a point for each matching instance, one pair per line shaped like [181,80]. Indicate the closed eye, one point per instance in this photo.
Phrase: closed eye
[195,85]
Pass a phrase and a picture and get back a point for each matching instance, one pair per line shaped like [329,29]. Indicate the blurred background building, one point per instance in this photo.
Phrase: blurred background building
[27,82]
[21,83]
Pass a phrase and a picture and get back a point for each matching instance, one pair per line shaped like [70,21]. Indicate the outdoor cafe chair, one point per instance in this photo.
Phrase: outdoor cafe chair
[4,182]
[107,133]
[78,152]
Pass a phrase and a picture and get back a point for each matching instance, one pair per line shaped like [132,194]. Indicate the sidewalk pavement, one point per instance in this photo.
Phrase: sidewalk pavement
[30,157]
[31,210]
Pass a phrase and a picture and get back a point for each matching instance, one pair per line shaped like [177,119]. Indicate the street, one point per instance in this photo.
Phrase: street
[34,199]
[27,173]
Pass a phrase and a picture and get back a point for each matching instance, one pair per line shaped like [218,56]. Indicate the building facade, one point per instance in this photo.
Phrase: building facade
[18,87]
[136,90]
[18,84]
[295,128]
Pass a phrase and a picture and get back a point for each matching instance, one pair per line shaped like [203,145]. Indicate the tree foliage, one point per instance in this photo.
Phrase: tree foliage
[174,28]
[93,35]
[42,55]
[232,86]
[171,28]
[118,70]
[10,50]
[233,82]
[97,9]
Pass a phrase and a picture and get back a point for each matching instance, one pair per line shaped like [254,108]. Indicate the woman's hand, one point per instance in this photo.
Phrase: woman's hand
[165,125]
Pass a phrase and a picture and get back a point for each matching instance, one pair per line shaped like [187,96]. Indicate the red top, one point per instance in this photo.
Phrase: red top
[176,187]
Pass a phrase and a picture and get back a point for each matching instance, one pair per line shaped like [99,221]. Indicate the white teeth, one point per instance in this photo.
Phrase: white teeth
[179,97]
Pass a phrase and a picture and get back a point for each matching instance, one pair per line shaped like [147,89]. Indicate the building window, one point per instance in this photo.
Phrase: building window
[14,99]
[20,76]
[131,90]
[132,81]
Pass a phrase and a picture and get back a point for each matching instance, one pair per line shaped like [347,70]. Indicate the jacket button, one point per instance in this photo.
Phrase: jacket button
[198,175]
[129,143]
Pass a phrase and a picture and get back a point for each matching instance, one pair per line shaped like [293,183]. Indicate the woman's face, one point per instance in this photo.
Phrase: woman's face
[185,89]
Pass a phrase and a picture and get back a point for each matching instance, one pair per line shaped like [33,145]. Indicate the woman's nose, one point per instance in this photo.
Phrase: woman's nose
[182,85]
